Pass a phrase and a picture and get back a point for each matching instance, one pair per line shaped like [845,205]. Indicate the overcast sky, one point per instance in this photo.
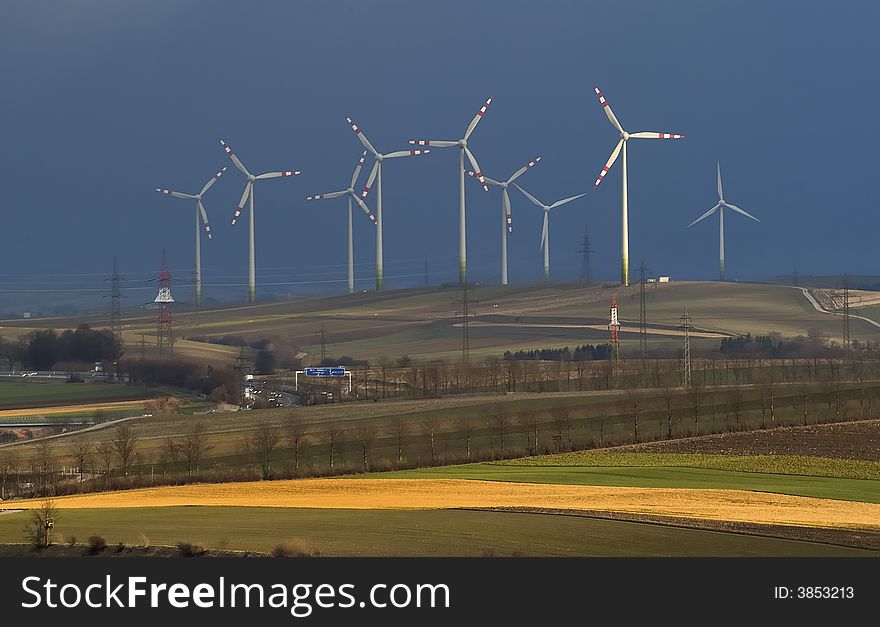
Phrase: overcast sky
[102,101]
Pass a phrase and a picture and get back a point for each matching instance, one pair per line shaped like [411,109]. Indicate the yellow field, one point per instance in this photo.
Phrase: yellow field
[71,409]
[727,505]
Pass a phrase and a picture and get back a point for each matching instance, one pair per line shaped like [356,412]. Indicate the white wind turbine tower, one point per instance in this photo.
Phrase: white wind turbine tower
[545,231]
[249,193]
[376,173]
[720,209]
[351,196]
[200,210]
[463,145]
[621,146]
[506,218]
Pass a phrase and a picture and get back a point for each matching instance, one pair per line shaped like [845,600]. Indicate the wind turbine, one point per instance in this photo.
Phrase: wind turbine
[375,173]
[545,231]
[462,144]
[720,209]
[506,221]
[249,193]
[621,146]
[200,210]
[351,195]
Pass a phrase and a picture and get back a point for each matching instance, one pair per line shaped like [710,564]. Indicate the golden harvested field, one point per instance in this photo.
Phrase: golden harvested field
[71,409]
[729,505]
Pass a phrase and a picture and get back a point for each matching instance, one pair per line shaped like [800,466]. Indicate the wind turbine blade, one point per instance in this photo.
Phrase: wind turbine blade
[476,166]
[653,135]
[544,230]
[522,170]
[204,218]
[611,117]
[705,215]
[238,164]
[609,163]
[361,136]
[357,168]
[168,192]
[434,143]
[370,180]
[473,174]
[275,175]
[559,203]
[328,195]
[537,202]
[720,191]
[244,197]
[212,181]
[406,153]
[366,209]
[476,120]
[505,200]
[742,211]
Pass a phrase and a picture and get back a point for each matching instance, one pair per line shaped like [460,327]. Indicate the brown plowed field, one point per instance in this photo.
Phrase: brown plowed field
[844,440]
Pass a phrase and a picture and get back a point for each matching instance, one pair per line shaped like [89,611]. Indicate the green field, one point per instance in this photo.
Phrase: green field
[411,533]
[849,480]
[28,393]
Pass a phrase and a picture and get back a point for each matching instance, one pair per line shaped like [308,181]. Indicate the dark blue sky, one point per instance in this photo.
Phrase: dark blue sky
[102,101]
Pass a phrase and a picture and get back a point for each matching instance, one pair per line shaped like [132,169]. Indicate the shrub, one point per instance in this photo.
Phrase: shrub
[294,548]
[190,549]
[120,547]
[71,540]
[96,545]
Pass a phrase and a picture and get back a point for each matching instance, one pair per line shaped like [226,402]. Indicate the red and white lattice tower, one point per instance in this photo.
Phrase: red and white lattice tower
[164,319]
[614,327]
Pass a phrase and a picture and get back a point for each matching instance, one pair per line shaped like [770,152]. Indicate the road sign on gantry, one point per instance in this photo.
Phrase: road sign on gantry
[335,371]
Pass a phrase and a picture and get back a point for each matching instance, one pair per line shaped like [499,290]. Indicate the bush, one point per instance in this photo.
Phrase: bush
[97,544]
[190,549]
[120,547]
[294,548]
[71,540]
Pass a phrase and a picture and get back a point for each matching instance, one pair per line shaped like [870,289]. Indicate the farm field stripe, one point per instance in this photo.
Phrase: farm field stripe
[731,505]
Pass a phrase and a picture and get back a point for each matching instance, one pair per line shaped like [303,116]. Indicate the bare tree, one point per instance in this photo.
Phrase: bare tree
[695,395]
[195,447]
[169,454]
[38,532]
[44,467]
[429,429]
[365,436]
[124,444]
[501,421]
[82,450]
[262,443]
[561,416]
[528,422]
[106,456]
[735,401]
[466,428]
[8,465]
[297,436]
[635,405]
[333,436]
[400,429]
[667,397]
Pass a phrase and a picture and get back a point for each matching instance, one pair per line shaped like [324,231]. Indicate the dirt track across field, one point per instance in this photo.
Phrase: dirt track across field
[72,409]
[728,505]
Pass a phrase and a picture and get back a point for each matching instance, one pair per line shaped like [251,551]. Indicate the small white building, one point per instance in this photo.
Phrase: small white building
[664,279]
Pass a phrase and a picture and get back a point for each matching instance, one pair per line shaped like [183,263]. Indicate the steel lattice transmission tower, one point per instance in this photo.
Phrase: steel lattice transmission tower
[465,313]
[164,319]
[686,325]
[846,338]
[115,303]
[586,252]
[614,327]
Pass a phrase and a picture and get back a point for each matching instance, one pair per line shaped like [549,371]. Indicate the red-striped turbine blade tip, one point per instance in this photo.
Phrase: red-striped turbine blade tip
[670,136]
[602,100]
[418,152]
[485,106]
[420,142]
[365,192]
[354,126]
[226,147]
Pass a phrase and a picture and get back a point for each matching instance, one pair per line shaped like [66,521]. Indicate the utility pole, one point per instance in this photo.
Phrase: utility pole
[466,313]
[846,338]
[643,322]
[686,321]
[795,278]
[586,251]
[323,334]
